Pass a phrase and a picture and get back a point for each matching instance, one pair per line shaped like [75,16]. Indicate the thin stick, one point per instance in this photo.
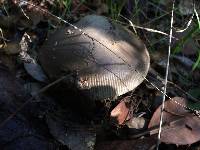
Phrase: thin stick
[188,24]
[166,76]
[143,28]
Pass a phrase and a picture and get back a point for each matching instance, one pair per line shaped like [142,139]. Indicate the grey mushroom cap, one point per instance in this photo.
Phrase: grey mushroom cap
[109,59]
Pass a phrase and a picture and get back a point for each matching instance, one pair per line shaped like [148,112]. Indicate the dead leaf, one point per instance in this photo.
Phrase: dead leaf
[181,127]
[120,113]
[36,71]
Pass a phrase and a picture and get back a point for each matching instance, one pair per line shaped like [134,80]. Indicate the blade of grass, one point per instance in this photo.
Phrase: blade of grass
[196,64]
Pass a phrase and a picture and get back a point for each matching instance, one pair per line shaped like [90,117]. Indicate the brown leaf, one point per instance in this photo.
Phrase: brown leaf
[180,127]
[120,113]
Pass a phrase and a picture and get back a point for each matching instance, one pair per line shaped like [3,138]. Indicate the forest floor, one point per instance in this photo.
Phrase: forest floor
[32,112]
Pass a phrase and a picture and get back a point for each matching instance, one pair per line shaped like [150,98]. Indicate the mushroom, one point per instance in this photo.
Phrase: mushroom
[107,59]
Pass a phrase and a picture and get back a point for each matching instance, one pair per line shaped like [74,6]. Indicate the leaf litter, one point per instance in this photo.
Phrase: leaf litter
[180,126]
[183,122]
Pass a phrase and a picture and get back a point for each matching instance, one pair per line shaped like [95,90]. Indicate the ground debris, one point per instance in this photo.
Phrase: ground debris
[180,126]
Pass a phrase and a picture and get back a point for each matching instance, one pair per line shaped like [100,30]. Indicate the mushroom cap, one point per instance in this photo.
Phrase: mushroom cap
[109,60]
